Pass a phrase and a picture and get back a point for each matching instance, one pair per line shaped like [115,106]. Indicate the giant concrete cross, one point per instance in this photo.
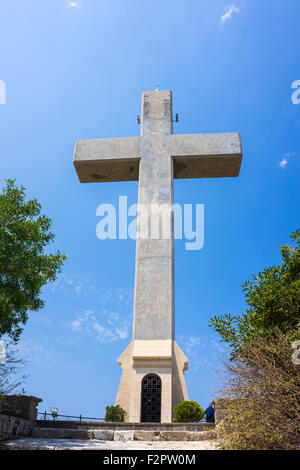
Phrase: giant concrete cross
[153,364]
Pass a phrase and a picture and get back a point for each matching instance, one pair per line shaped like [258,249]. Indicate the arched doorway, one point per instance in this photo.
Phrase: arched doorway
[151,399]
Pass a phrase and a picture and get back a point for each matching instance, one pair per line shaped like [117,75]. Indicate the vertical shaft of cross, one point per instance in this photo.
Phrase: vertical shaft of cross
[154,272]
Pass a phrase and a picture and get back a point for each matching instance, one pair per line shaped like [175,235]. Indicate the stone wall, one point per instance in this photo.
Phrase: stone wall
[14,428]
[20,406]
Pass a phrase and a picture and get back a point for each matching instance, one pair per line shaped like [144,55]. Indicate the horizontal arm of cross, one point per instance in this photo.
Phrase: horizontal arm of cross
[194,155]
[206,155]
[103,160]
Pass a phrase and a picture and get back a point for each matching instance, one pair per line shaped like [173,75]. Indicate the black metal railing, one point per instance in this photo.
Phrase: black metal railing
[57,417]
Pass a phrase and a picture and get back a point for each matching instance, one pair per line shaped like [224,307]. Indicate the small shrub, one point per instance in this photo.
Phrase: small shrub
[114,414]
[188,412]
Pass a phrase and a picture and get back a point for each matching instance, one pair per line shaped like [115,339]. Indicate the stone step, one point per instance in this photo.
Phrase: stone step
[112,446]
[175,435]
[86,425]
[57,433]
[126,435]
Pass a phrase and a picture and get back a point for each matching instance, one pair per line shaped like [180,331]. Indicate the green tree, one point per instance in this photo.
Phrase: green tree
[25,267]
[273,297]
[114,414]
[188,412]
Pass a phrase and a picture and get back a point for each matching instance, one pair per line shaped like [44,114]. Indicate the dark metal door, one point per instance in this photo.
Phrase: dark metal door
[151,399]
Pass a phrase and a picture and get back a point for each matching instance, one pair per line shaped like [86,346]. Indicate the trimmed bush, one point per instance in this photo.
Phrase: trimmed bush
[188,412]
[114,414]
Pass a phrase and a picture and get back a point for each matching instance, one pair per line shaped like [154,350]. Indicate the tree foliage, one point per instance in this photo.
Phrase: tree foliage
[188,412]
[273,297]
[114,414]
[25,267]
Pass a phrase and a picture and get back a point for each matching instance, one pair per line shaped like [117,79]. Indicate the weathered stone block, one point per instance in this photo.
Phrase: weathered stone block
[11,428]
[174,435]
[28,427]
[104,435]
[205,436]
[147,436]
[19,427]
[123,435]
[7,424]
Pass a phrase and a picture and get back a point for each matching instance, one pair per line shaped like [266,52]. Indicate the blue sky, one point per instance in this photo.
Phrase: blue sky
[77,71]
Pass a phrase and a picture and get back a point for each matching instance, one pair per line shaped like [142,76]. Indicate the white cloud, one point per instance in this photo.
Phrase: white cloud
[122,332]
[112,326]
[104,333]
[74,5]
[80,320]
[284,161]
[76,324]
[108,313]
[230,9]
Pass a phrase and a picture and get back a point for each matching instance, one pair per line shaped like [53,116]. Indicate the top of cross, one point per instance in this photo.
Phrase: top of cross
[194,155]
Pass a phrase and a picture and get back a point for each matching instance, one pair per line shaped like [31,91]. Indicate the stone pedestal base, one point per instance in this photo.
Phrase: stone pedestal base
[161,357]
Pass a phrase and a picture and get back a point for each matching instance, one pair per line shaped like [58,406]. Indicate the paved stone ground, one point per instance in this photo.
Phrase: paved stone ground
[76,444]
